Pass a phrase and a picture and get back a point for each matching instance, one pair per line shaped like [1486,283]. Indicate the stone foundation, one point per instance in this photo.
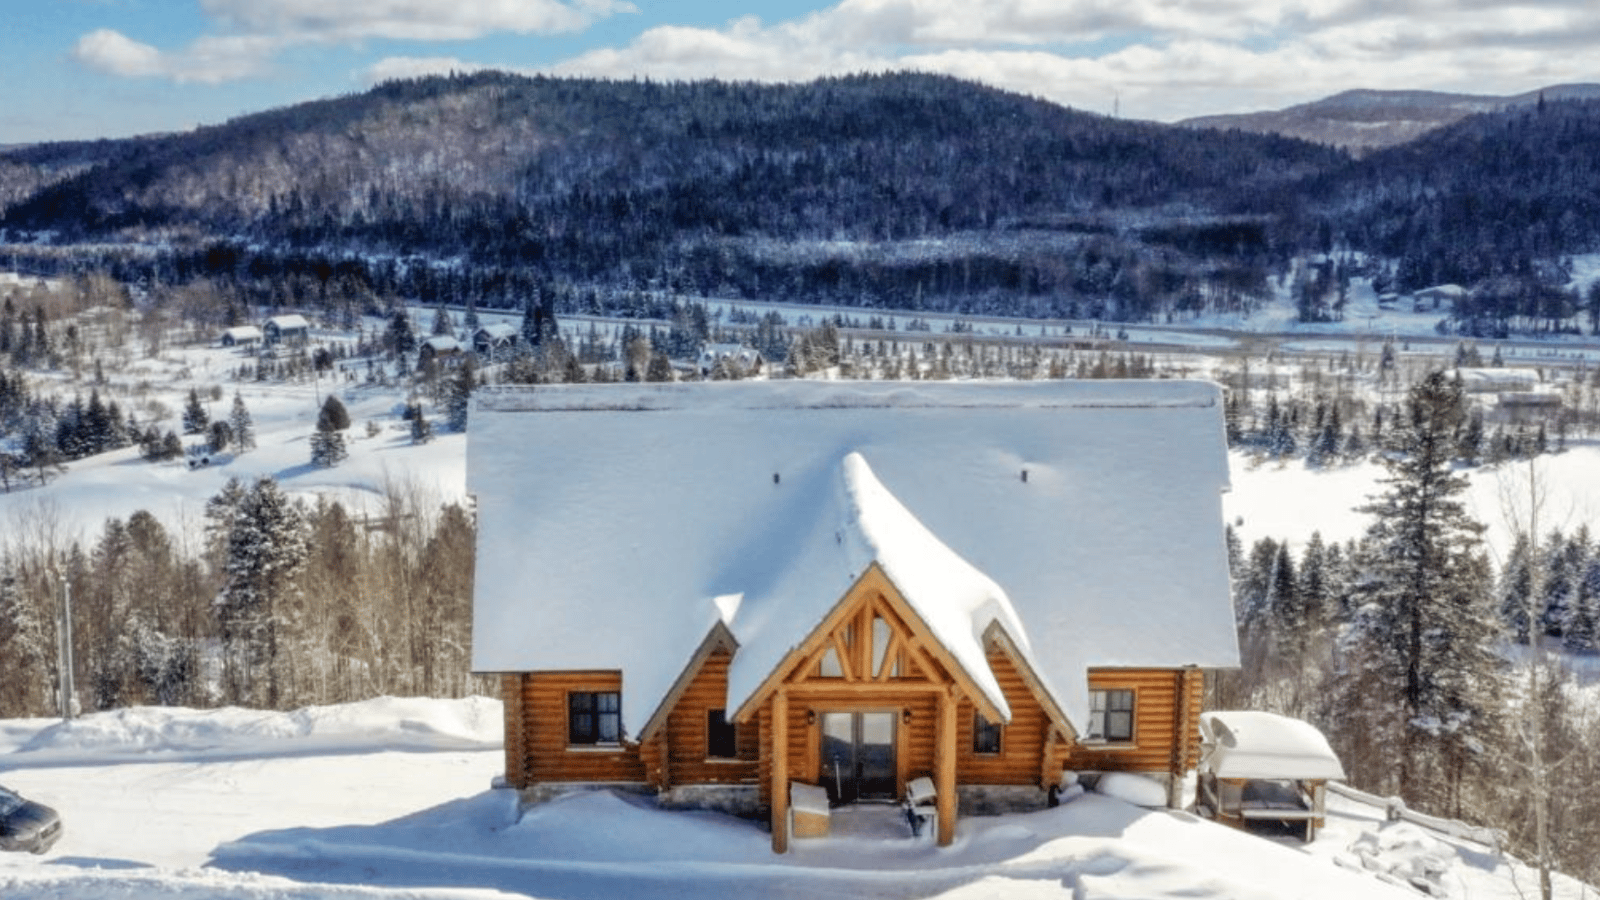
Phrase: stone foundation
[743,800]
[544,792]
[998,799]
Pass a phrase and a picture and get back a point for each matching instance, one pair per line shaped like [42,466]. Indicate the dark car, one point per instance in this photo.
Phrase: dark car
[26,825]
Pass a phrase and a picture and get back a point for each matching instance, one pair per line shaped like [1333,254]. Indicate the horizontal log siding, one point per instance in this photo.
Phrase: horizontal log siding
[1155,710]
[544,718]
[1021,740]
[685,732]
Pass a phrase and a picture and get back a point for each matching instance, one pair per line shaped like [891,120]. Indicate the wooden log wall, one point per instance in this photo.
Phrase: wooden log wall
[685,732]
[1022,740]
[545,752]
[1160,735]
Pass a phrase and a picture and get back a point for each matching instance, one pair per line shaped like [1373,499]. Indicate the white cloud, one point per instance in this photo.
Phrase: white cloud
[1159,59]
[248,34]
[115,53]
[416,20]
[395,67]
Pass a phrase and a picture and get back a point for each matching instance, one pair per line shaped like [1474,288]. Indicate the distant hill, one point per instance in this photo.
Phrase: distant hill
[905,191]
[1366,120]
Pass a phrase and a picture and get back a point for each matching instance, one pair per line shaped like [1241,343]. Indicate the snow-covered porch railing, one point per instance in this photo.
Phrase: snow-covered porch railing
[1395,809]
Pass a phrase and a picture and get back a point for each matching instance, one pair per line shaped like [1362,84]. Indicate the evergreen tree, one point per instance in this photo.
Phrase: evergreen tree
[327,442]
[267,546]
[244,431]
[195,418]
[400,337]
[458,400]
[1425,636]
[443,325]
[421,429]
[1581,634]
[25,645]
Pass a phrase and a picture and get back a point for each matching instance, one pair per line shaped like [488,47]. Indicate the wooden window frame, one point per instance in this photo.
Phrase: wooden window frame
[1101,717]
[981,727]
[592,733]
[729,731]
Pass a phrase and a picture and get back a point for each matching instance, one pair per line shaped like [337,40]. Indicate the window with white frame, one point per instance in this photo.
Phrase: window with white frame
[1111,715]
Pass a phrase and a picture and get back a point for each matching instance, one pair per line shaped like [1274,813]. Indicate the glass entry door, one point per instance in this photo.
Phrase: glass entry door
[858,756]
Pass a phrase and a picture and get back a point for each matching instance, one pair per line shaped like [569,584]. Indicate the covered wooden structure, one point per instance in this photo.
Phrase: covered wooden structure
[1263,767]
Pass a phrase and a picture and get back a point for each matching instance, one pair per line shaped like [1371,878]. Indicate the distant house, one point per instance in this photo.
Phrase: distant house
[1495,380]
[1438,296]
[441,348]
[286,330]
[725,593]
[495,340]
[748,360]
[241,336]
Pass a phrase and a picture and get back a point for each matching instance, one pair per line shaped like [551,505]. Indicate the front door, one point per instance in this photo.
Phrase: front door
[858,756]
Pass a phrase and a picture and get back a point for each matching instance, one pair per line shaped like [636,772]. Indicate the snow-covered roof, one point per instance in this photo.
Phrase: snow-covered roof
[242,333]
[1494,379]
[289,322]
[442,343]
[496,331]
[1249,744]
[619,523]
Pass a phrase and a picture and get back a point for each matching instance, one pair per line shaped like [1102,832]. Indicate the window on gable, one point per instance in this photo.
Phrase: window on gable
[1111,715]
[594,717]
[985,734]
[722,738]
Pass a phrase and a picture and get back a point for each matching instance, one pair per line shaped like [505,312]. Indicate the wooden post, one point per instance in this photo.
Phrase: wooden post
[944,767]
[780,772]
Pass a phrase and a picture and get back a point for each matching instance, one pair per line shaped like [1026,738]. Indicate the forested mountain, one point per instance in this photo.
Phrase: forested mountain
[1495,201]
[904,190]
[1365,120]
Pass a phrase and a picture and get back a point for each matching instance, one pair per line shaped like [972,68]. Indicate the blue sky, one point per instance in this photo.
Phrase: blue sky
[76,69]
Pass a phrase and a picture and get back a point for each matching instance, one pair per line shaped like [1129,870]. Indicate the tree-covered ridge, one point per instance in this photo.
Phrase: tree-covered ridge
[706,185]
[901,190]
[1497,194]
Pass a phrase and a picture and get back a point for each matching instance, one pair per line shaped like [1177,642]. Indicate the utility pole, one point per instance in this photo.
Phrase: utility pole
[64,665]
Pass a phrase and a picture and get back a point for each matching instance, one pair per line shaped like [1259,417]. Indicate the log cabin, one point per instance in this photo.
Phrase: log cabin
[718,592]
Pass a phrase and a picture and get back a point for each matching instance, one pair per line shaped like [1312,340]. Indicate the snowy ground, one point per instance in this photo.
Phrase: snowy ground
[392,799]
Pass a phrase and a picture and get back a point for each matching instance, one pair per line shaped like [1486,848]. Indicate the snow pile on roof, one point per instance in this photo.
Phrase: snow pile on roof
[954,599]
[618,523]
[1249,744]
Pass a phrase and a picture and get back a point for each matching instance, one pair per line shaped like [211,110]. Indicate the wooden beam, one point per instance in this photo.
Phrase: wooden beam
[1049,774]
[780,772]
[944,768]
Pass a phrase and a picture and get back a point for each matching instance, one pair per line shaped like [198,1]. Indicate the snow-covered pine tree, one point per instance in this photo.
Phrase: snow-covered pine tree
[421,429]
[244,430]
[443,324]
[25,645]
[1424,643]
[458,399]
[267,546]
[327,441]
[1516,582]
[195,418]
[1582,632]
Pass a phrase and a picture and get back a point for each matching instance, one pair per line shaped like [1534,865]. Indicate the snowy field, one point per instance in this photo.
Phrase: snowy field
[392,799]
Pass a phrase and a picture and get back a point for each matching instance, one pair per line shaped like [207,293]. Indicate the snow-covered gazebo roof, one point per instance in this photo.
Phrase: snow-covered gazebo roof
[1263,745]
[619,524]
